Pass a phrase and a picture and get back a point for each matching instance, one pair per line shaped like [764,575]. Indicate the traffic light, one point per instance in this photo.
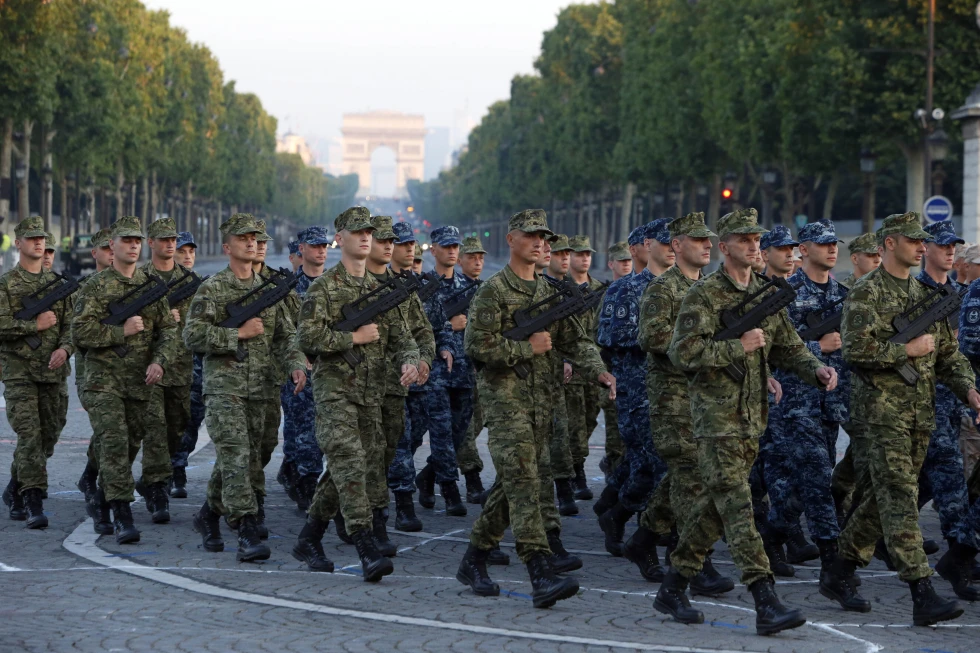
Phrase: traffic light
[726,194]
[486,234]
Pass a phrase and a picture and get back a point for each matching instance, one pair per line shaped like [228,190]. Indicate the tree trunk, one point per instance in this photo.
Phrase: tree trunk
[24,159]
[120,186]
[154,197]
[63,200]
[144,202]
[189,207]
[828,203]
[714,203]
[132,198]
[6,184]
[915,186]
[47,180]
[624,226]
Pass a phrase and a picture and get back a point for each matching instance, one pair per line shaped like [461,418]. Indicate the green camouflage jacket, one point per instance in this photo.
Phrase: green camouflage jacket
[590,322]
[878,394]
[721,406]
[849,280]
[19,361]
[182,368]
[659,307]
[259,375]
[80,373]
[413,312]
[333,377]
[105,371]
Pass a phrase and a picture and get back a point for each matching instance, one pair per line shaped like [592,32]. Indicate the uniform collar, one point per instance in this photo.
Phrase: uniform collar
[516,282]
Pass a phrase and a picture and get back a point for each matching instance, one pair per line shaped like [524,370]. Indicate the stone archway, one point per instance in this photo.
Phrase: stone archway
[365,132]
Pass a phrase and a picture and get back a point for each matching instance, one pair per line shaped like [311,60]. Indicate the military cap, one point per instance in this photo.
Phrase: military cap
[356,218]
[418,252]
[904,224]
[863,244]
[559,243]
[657,230]
[820,232]
[943,233]
[403,233]
[619,251]
[959,251]
[691,225]
[743,221]
[445,236]
[315,235]
[127,227]
[32,227]
[780,236]
[530,221]
[972,254]
[49,243]
[264,235]
[100,238]
[293,246]
[240,224]
[473,245]
[382,227]
[580,243]
[162,228]
[637,235]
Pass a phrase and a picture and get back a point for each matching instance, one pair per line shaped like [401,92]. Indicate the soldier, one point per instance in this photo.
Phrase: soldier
[123,366]
[620,262]
[186,256]
[865,257]
[47,262]
[241,378]
[471,261]
[295,257]
[519,413]
[777,248]
[971,264]
[729,416]
[894,449]
[621,265]
[349,398]
[35,390]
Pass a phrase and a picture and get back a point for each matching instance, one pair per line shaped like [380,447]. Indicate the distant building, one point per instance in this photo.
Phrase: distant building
[437,152]
[296,144]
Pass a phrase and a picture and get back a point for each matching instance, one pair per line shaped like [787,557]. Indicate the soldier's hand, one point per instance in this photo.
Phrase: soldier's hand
[921,346]
[567,368]
[153,374]
[973,398]
[424,371]
[830,343]
[609,381]
[828,377]
[365,334]
[447,356]
[251,329]
[299,379]
[46,320]
[752,340]
[540,342]
[776,388]
[132,326]
[58,358]
[176,314]
[458,323]
[410,374]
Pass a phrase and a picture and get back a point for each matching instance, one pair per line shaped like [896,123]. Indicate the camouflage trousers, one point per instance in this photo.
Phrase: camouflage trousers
[583,418]
[888,459]
[177,412]
[723,507]
[450,413]
[268,442]
[757,486]
[350,435]
[92,452]
[614,443]
[973,484]
[121,427]
[401,471]
[37,413]
[670,505]
[393,423]
[562,467]
[236,426]
[188,440]
[467,455]
[299,442]
[523,494]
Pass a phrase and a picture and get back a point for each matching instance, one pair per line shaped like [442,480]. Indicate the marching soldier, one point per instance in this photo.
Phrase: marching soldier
[471,258]
[865,257]
[186,256]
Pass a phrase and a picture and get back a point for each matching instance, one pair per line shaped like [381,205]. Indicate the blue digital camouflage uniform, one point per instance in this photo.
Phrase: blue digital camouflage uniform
[299,445]
[189,440]
[969,341]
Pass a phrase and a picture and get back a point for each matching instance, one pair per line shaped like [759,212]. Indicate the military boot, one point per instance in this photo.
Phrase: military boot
[836,579]
[13,500]
[641,550]
[709,582]
[87,481]
[161,503]
[561,560]
[374,566]
[566,500]
[604,464]
[771,616]
[607,499]
[473,572]
[798,550]
[35,509]
[305,489]
[474,487]
[101,514]
[309,546]
[975,570]
[426,484]
[498,557]
[777,557]
[548,589]
[122,521]
[260,517]
[208,523]
[881,552]
[379,528]
[930,547]
[955,566]
[179,488]
[581,484]
[250,547]
[405,518]
[454,503]
[928,608]
[672,599]
[286,478]
[342,533]
[613,525]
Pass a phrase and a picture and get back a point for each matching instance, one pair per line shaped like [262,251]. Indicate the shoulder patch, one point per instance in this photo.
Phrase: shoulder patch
[621,312]
[973,316]
[485,316]
[79,305]
[308,309]
[858,319]
[687,321]
[198,309]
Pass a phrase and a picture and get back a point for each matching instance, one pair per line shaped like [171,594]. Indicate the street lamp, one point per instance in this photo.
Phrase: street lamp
[938,145]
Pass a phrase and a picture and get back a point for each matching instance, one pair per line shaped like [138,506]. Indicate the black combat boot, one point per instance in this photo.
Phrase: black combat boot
[548,589]
[604,465]
[13,500]
[373,565]
[798,550]
[286,477]
[498,557]
[305,489]
[930,547]
[426,484]
[208,523]
[581,484]
[607,499]
[179,488]
[250,547]
[771,616]
[309,547]
[161,503]
[101,514]
[837,578]
[975,570]
[955,566]
[777,557]
[561,560]
[709,582]
[474,487]
[566,500]
[405,518]
[342,533]
[672,599]
[35,510]
[122,520]
[641,550]
[260,517]
[473,572]
[881,552]
[379,528]
[454,504]
[613,524]
[928,608]
[87,481]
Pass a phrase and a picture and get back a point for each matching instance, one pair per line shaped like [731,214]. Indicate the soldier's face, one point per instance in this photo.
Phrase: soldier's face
[163,248]
[241,247]
[446,255]
[529,248]
[355,243]
[640,253]
[417,267]
[103,257]
[940,256]
[779,260]
[907,252]
[662,255]
[126,249]
[315,254]
[32,248]
[620,268]
[261,248]
[381,251]
[186,256]
[693,252]
[558,265]
[47,261]
[404,255]
[581,262]
[864,263]
[822,256]
[742,250]
[472,265]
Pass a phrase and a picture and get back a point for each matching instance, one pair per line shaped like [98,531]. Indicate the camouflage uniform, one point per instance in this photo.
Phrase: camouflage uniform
[562,465]
[614,443]
[188,440]
[863,244]
[969,341]
[467,455]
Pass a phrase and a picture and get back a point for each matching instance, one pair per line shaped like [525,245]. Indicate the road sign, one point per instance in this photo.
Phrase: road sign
[800,221]
[937,208]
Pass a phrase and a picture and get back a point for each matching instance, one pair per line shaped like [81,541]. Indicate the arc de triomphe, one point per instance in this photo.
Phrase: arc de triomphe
[365,132]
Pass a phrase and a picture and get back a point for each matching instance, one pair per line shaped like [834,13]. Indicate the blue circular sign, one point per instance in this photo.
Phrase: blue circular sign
[937,208]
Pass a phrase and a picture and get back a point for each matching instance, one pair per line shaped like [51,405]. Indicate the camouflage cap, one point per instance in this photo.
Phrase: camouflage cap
[314,235]
[530,221]
[356,218]
[619,251]
[240,224]
[100,238]
[820,232]
[972,254]
[863,244]
[185,238]
[404,233]
[264,235]
[742,221]
[32,227]
[959,251]
[780,236]
[126,227]
[162,228]
[293,246]
[473,245]
[691,225]
[49,242]
[559,243]
[382,227]
[418,252]
[943,233]
[657,230]
[904,224]
[579,243]
[636,236]
[446,236]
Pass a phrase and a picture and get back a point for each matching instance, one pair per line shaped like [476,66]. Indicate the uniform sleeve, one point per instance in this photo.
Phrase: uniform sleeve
[442,330]
[622,331]
[691,346]
[952,368]
[862,344]
[400,340]
[788,351]
[608,306]
[64,324]
[422,330]
[483,338]
[87,330]
[10,327]
[656,318]
[969,333]
[165,343]
[284,342]
[202,333]
[575,345]
[313,333]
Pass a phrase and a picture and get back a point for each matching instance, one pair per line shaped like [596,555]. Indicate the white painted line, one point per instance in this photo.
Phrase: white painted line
[869,647]
[431,539]
[4,567]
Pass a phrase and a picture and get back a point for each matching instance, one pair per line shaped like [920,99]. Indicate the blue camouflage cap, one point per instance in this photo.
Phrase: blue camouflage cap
[820,232]
[779,236]
[314,235]
[185,238]
[658,231]
[293,246]
[446,236]
[943,233]
[403,233]
[637,235]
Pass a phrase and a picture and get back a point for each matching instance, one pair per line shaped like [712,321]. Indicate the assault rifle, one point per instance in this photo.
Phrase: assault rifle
[817,327]
[430,286]
[361,311]
[281,281]
[592,297]
[459,302]
[940,303]
[176,295]
[132,303]
[736,322]
[34,304]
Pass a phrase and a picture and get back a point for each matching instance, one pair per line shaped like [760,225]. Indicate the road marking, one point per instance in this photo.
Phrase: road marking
[4,567]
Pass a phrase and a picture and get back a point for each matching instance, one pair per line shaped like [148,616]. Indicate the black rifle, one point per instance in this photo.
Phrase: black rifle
[361,311]
[132,303]
[34,304]
[429,284]
[459,302]
[735,322]
[593,297]
[176,295]
[942,302]
[282,282]
[817,327]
